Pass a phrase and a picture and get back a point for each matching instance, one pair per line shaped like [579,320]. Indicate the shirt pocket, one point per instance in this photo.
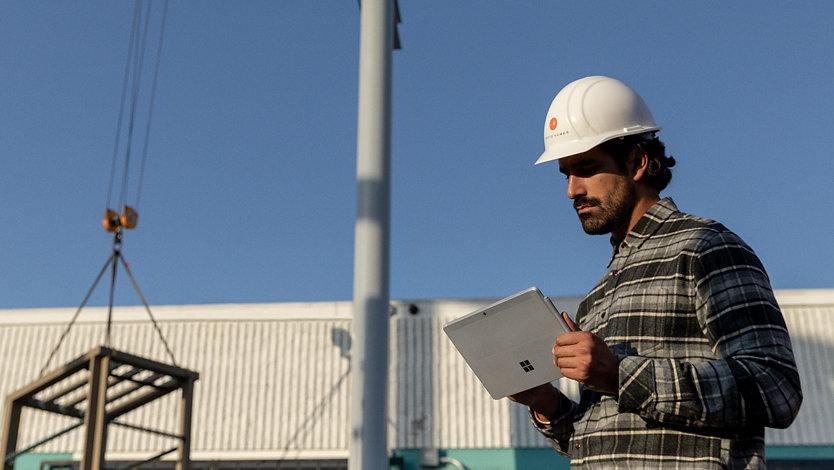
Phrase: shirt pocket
[638,319]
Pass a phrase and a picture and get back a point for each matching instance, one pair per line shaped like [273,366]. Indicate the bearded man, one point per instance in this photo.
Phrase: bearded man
[681,350]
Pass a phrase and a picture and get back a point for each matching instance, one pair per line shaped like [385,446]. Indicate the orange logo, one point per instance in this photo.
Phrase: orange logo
[553,123]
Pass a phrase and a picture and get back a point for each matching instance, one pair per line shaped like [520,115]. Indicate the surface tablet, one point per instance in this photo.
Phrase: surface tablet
[508,345]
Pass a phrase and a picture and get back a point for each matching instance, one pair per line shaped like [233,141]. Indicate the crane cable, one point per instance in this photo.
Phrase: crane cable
[131,85]
[112,221]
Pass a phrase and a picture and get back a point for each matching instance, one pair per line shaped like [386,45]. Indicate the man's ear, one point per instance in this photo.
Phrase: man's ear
[638,163]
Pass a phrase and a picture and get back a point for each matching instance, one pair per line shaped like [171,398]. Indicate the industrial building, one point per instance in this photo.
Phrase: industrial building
[273,388]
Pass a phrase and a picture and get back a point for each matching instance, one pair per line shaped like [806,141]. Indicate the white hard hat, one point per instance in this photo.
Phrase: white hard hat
[590,111]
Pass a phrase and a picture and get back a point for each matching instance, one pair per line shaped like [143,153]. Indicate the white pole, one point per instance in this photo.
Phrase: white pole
[369,361]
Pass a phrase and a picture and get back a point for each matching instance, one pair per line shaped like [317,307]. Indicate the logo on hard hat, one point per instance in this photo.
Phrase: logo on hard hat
[553,123]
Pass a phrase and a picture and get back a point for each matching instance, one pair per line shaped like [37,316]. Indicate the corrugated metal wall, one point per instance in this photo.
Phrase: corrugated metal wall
[267,385]
[810,319]
[274,377]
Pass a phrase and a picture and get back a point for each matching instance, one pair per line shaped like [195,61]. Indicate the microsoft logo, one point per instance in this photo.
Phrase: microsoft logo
[526,366]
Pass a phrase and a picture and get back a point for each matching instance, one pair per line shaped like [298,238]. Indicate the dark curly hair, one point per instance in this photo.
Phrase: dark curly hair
[658,172]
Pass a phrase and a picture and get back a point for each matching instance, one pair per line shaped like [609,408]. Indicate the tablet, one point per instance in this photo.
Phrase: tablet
[509,344]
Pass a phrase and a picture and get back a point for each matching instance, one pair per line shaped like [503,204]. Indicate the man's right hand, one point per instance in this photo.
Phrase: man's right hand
[543,400]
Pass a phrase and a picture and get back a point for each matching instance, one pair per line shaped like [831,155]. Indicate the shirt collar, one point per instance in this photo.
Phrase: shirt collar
[648,224]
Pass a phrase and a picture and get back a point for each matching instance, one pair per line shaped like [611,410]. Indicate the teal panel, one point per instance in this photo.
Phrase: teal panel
[32,461]
[546,458]
[489,459]
[799,452]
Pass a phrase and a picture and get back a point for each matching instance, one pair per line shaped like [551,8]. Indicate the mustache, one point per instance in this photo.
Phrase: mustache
[585,201]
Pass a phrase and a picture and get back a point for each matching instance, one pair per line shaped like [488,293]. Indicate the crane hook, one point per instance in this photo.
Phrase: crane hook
[113,222]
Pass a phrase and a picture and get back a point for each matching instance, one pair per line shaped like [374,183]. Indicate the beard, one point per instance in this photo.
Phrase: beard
[612,213]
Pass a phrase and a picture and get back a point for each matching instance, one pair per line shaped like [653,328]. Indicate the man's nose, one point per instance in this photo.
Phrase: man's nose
[575,187]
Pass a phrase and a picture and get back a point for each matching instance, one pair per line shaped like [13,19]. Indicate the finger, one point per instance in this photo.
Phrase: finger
[570,362]
[571,338]
[561,350]
[569,368]
[570,322]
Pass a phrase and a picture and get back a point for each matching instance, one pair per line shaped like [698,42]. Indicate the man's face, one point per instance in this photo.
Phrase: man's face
[603,194]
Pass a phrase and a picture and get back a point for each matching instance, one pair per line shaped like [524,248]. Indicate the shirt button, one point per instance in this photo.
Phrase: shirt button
[577,445]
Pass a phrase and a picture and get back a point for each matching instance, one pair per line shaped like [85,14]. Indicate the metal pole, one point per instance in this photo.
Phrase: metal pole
[95,420]
[186,405]
[11,428]
[368,446]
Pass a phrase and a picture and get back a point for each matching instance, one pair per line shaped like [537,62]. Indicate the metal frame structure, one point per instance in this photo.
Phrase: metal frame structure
[96,389]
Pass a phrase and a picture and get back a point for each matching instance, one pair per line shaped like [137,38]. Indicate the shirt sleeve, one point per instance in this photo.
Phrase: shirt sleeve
[754,382]
[560,429]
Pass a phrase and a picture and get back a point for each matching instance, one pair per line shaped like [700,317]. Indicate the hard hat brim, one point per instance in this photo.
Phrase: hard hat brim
[568,149]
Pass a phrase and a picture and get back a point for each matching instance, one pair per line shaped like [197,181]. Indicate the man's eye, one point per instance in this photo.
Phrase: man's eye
[584,171]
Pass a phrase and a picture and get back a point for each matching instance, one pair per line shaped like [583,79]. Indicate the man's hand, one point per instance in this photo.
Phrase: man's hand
[585,357]
[543,400]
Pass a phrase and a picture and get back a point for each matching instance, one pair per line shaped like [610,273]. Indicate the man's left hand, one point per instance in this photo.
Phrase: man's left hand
[585,357]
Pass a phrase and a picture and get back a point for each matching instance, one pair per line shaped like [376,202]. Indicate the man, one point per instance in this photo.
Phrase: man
[681,350]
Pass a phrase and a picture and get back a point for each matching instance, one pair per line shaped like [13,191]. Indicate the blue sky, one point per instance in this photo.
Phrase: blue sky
[249,188]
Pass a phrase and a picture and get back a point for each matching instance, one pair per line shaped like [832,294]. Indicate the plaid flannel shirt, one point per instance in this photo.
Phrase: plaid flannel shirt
[705,358]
